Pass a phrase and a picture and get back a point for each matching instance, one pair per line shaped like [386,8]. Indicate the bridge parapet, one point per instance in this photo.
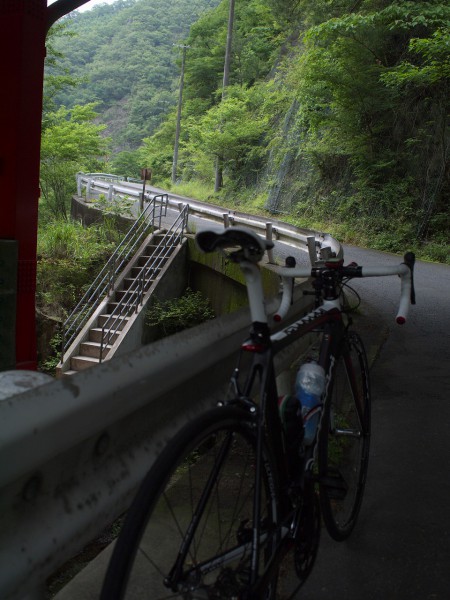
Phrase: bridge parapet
[74,450]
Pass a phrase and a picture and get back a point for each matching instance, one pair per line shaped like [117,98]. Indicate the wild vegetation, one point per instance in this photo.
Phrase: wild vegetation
[123,56]
[340,124]
[74,139]
[69,256]
[335,115]
[171,316]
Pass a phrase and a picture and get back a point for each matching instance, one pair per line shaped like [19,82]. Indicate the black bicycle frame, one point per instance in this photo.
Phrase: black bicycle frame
[269,428]
[264,347]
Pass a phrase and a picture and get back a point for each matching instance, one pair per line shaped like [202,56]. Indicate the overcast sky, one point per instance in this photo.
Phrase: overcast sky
[89,4]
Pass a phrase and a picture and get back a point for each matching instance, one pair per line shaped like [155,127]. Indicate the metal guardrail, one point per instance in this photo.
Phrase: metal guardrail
[98,183]
[74,450]
[319,245]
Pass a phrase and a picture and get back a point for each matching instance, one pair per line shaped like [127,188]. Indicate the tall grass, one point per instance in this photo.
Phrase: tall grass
[194,189]
[69,239]
[69,257]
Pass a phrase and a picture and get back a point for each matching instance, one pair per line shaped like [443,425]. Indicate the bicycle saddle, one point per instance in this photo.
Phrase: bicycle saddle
[247,245]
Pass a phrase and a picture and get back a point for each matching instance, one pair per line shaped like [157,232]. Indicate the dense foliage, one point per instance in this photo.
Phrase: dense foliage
[171,316]
[371,103]
[335,116]
[71,139]
[69,256]
[125,57]
[71,142]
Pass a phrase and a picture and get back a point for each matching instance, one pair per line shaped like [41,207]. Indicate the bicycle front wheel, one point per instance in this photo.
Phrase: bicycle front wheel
[189,532]
[344,440]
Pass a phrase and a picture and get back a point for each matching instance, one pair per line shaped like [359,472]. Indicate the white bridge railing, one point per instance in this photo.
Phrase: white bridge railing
[112,186]
[72,451]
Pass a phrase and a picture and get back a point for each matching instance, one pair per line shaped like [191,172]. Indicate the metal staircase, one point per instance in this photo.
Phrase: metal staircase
[103,317]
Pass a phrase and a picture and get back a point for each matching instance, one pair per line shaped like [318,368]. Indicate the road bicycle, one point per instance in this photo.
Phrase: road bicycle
[232,508]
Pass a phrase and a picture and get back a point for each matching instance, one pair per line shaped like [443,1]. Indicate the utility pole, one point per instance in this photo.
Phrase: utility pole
[226,67]
[178,127]
[226,76]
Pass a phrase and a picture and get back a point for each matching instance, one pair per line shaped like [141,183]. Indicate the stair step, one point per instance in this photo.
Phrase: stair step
[142,260]
[117,323]
[160,260]
[68,373]
[127,282]
[151,272]
[92,349]
[136,286]
[160,250]
[112,306]
[95,334]
[154,254]
[80,363]
[125,295]
[155,241]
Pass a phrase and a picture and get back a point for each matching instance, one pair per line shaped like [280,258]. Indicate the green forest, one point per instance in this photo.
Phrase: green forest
[335,114]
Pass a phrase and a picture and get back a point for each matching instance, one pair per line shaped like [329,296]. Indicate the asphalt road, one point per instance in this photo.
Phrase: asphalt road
[400,549]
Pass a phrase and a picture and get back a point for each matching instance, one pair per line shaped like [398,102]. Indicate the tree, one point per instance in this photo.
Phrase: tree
[125,54]
[57,76]
[71,142]
[233,130]
[127,163]
[371,88]
[421,82]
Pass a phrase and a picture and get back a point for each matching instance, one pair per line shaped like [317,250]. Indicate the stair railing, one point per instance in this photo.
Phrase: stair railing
[133,297]
[105,280]
[163,250]
[163,201]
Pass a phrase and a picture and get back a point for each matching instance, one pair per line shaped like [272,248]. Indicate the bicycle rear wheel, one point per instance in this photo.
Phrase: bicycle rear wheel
[344,440]
[188,533]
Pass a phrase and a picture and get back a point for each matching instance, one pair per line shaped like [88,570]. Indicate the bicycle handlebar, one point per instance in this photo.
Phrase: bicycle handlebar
[247,246]
[404,271]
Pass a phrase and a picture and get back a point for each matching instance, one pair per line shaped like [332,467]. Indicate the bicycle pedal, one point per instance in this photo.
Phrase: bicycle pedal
[335,485]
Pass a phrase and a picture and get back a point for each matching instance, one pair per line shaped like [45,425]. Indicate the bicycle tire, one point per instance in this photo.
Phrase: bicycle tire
[344,439]
[214,455]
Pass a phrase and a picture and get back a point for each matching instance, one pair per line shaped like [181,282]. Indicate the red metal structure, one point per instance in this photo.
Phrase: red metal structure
[23,27]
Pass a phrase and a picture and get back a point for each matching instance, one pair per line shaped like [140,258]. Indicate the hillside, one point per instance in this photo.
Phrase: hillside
[124,57]
[335,113]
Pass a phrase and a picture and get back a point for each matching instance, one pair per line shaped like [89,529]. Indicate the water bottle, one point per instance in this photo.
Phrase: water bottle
[309,387]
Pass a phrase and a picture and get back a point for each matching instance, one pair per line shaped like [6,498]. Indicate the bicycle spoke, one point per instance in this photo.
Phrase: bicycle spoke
[344,441]
[198,534]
